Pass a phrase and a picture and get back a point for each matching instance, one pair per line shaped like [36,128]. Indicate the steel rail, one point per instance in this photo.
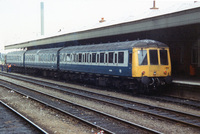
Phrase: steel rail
[150,110]
[165,98]
[24,118]
[175,100]
[101,113]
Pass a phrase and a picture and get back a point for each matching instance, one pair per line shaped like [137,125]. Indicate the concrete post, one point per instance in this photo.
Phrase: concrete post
[42,18]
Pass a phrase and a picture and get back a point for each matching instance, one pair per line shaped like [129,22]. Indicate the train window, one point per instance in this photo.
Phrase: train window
[71,57]
[121,57]
[47,57]
[74,57]
[94,57]
[97,58]
[90,58]
[142,57]
[110,57]
[163,57]
[153,57]
[51,57]
[85,57]
[54,57]
[79,57]
[68,58]
[115,57]
[101,57]
[106,61]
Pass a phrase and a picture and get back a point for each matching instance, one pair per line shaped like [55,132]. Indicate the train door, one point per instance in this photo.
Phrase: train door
[154,65]
[116,58]
[140,62]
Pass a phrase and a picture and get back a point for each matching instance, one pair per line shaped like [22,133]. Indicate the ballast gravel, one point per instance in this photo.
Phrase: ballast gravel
[136,117]
[51,121]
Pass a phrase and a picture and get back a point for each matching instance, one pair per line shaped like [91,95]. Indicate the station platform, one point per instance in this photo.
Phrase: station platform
[187,80]
[186,87]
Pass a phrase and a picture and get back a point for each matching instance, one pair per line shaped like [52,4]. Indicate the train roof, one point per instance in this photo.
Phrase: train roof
[16,52]
[38,51]
[116,46]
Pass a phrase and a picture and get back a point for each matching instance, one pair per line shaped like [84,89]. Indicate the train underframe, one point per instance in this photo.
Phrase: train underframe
[139,84]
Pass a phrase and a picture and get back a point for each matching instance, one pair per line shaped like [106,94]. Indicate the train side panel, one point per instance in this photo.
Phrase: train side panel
[42,59]
[15,58]
[109,65]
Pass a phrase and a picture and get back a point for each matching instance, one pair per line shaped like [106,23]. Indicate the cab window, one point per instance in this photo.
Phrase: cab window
[153,57]
[163,57]
[142,57]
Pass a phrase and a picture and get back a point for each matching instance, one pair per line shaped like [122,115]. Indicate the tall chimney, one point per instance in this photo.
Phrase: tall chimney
[42,17]
[154,5]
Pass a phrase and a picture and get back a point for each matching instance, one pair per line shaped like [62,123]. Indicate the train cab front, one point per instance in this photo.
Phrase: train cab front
[152,66]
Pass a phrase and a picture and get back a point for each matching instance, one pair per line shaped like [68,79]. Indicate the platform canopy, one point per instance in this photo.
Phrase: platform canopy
[151,21]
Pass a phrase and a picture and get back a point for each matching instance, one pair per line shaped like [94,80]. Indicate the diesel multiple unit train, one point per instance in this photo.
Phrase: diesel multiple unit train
[140,64]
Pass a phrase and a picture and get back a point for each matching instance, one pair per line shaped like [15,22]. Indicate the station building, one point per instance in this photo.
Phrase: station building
[178,27]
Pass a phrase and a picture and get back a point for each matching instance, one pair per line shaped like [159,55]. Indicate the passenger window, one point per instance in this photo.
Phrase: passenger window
[85,57]
[71,57]
[106,61]
[121,57]
[93,57]
[142,57]
[153,57]
[97,58]
[68,58]
[53,58]
[90,58]
[115,57]
[76,58]
[163,57]
[101,57]
[88,55]
[110,57]
[79,57]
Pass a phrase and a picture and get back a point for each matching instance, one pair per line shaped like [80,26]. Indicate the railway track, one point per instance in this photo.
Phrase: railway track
[12,121]
[108,123]
[159,112]
[175,100]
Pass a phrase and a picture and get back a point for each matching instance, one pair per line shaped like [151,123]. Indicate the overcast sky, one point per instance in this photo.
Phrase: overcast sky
[20,19]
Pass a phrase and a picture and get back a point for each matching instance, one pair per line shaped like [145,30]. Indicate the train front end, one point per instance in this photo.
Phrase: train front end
[151,65]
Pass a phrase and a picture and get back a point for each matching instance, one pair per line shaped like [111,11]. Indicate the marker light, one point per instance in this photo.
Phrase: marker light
[143,72]
[165,72]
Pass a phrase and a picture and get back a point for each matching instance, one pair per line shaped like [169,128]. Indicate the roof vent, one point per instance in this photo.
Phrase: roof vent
[154,5]
[102,20]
